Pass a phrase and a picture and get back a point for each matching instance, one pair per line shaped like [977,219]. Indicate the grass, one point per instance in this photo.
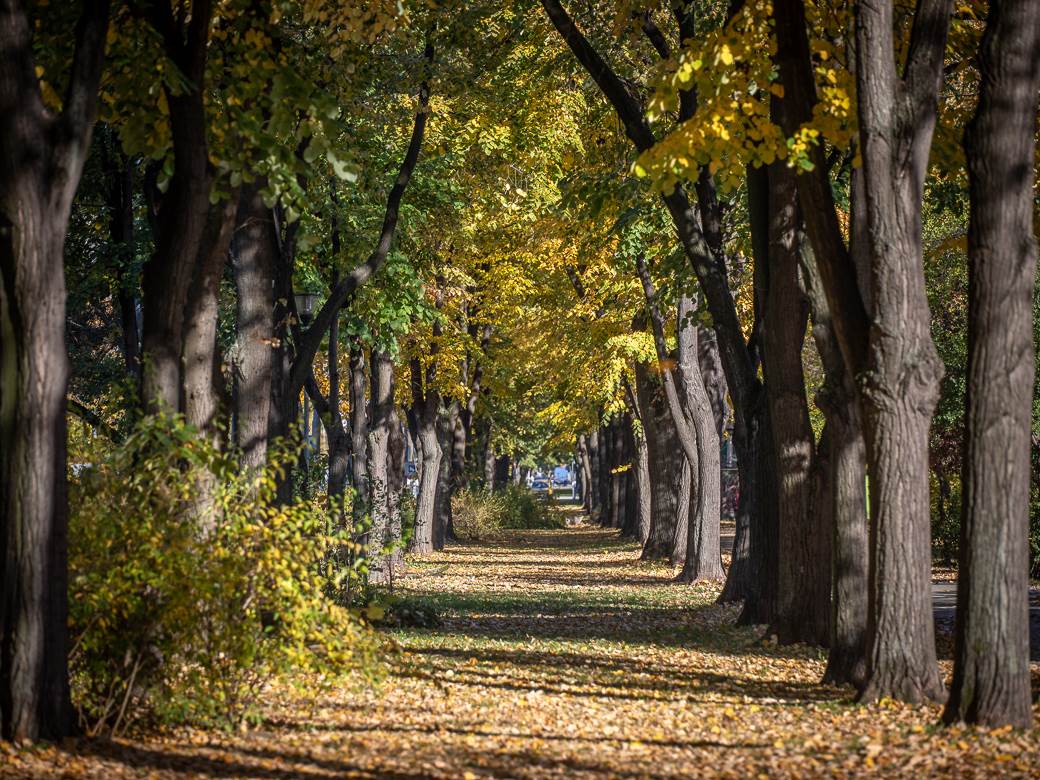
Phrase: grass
[560,654]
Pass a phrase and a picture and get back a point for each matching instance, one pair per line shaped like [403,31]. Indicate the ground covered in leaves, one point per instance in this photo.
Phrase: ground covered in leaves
[559,654]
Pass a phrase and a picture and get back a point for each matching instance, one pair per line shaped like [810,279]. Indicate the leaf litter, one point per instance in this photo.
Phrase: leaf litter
[560,654]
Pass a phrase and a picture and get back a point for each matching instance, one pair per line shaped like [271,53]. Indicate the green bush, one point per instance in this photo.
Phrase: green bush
[478,515]
[190,588]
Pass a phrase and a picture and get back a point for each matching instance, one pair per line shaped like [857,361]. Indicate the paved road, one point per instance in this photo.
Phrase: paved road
[944,602]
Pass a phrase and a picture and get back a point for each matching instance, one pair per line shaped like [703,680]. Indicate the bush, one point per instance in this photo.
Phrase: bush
[180,616]
[478,515]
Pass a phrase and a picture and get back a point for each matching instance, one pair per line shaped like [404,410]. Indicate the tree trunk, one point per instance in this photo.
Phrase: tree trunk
[442,519]
[382,401]
[783,333]
[841,492]
[41,160]
[594,480]
[204,389]
[900,386]
[425,403]
[396,453]
[665,462]
[753,439]
[605,467]
[358,433]
[254,254]
[182,215]
[120,200]
[704,546]
[991,666]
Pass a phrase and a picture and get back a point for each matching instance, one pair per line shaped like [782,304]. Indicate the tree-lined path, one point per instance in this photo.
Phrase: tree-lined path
[559,654]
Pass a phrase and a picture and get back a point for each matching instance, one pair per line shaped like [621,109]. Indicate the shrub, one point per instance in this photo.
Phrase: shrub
[478,515]
[178,616]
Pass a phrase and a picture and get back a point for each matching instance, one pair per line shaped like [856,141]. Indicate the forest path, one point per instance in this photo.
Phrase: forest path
[560,654]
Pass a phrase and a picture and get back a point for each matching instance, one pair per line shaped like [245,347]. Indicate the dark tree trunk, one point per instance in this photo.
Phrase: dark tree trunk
[182,212]
[603,485]
[783,333]
[382,406]
[752,438]
[254,255]
[503,465]
[41,160]
[426,403]
[665,461]
[991,666]
[703,547]
[442,518]
[840,496]
[640,468]
[120,200]
[358,432]
[900,386]
[204,391]
[630,527]
[592,488]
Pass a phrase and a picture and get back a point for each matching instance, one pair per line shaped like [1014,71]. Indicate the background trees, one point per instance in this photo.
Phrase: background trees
[481,238]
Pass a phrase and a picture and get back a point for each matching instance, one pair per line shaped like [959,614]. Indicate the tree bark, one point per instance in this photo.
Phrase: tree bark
[783,333]
[382,404]
[841,492]
[991,664]
[900,384]
[203,385]
[254,254]
[182,211]
[425,403]
[41,161]
[704,546]
[665,465]
[594,477]
[358,433]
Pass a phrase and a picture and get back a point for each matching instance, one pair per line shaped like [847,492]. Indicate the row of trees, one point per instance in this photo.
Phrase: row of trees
[827,130]
[521,229]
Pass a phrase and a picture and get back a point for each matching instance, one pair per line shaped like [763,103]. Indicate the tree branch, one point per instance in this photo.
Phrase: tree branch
[310,340]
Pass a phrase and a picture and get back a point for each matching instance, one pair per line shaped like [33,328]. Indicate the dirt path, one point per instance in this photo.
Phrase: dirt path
[561,655]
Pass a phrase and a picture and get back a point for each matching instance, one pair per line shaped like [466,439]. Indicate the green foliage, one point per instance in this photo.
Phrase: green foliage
[478,515]
[178,616]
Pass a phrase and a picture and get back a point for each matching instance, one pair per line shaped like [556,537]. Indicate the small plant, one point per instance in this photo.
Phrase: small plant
[478,515]
[178,616]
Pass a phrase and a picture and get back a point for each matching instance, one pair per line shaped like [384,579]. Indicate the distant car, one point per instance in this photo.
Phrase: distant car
[540,484]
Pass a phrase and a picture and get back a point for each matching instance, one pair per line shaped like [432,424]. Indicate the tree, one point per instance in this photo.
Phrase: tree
[42,152]
[991,665]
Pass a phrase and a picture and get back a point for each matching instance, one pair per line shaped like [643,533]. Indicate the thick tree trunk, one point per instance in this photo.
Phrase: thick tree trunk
[426,502]
[382,401]
[991,666]
[41,160]
[500,478]
[181,219]
[840,494]
[204,390]
[34,693]
[358,433]
[395,479]
[900,386]
[703,550]
[442,518]
[783,333]
[425,404]
[605,467]
[594,479]
[254,254]
[665,460]
[757,508]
